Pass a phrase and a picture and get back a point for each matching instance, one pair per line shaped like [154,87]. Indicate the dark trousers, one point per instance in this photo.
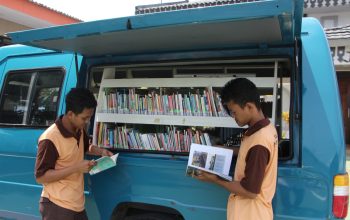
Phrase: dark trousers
[51,211]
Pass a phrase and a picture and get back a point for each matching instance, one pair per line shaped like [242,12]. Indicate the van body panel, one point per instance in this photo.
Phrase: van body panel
[275,22]
[139,177]
[321,111]
[304,190]
[19,194]
[301,194]
[19,50]
[18,145]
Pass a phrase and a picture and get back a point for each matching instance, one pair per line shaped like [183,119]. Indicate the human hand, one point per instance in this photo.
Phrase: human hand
[205,176]
[105,152]
[86,165]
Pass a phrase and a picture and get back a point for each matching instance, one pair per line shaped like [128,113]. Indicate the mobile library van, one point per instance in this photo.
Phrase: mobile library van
[157,79]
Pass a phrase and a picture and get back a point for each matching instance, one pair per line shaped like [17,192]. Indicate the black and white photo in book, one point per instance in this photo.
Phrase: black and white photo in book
[211,159]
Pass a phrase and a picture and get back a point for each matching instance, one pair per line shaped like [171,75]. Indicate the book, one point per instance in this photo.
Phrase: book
[104,163]
[211,159]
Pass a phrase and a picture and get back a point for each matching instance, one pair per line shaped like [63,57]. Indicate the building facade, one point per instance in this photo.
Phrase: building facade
[16,15]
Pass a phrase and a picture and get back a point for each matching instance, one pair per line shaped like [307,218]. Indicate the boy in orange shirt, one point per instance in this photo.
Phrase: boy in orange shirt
[60,164]
[254,182]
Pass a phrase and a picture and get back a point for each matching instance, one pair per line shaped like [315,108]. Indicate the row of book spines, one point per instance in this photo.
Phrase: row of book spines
[171,140]
[208,104]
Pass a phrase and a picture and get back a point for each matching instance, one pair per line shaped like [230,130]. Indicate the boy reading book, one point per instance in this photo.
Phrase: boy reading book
[60,164]
[254,182]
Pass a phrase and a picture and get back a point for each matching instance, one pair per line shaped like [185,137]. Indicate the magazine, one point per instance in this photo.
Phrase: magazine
[211,159]
[104,163]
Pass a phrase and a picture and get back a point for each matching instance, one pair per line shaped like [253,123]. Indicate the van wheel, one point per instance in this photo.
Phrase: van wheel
[149,216]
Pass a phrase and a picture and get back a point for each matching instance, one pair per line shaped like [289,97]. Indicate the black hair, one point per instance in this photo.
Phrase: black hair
[240,91]
[78,99]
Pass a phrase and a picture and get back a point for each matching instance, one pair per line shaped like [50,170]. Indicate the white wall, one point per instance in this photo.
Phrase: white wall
[343,17]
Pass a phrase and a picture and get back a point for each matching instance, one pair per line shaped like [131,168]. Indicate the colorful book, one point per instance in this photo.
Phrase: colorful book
[210,159]
[104,163]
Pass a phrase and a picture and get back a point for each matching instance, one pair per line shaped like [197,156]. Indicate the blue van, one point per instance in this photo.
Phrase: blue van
[192,53]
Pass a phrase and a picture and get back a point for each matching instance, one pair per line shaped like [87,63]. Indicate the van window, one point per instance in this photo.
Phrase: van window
[31,97]
[285,105]
[285,151]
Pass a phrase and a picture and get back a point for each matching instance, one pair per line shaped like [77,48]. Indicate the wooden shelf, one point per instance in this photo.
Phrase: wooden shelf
[266,82]
[167,120]
[117,150]
[170,120]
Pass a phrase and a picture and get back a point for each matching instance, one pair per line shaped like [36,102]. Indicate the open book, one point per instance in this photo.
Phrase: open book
[214,160]
[104,163]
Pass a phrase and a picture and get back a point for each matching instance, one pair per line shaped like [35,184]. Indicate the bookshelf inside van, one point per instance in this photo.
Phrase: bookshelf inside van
[163,108]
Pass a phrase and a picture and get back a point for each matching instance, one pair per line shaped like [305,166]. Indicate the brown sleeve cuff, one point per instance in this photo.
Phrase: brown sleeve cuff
[256,161]
[46,157]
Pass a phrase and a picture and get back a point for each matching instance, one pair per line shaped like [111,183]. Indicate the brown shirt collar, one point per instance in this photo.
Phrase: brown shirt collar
[257,126]
[65,133]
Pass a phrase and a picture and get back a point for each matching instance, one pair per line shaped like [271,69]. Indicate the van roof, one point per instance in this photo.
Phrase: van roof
[19,50]
[251,24]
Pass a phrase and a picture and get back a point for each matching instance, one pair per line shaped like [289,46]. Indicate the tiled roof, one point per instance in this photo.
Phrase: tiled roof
[146,9]
[342,32]
[173,6]
[51,9]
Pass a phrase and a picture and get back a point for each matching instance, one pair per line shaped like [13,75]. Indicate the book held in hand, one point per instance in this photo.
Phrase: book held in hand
[104,163]
[211,159]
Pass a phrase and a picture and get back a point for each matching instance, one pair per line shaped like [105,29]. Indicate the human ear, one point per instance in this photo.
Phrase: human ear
[70,114]
[250,106]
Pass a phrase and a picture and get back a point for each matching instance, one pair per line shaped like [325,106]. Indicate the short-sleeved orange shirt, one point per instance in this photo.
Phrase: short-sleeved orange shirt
[260,208]
[68,192]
